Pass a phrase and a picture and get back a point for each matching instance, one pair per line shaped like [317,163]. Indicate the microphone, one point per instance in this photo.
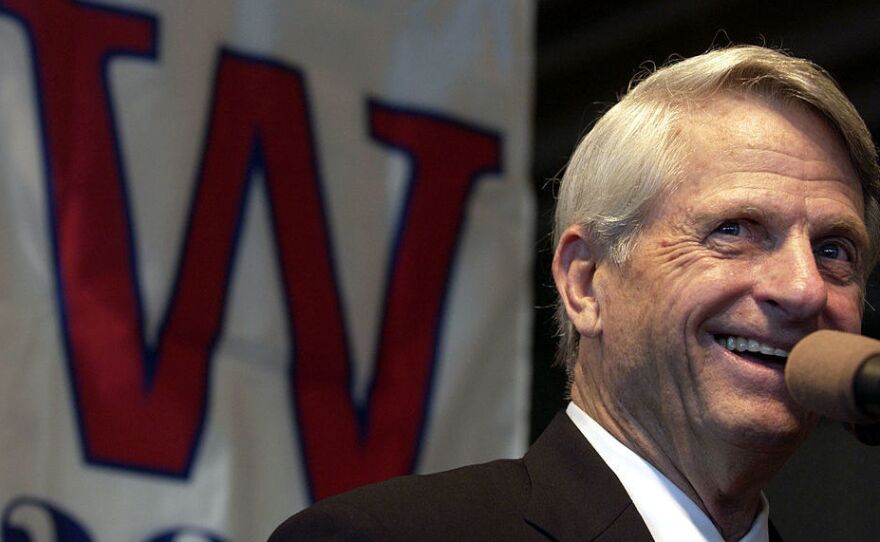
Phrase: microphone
[836,374]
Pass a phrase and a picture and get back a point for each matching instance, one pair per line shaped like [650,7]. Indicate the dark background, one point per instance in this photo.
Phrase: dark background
[586,54]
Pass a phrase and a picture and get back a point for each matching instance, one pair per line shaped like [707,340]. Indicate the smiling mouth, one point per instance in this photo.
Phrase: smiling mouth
[753,350]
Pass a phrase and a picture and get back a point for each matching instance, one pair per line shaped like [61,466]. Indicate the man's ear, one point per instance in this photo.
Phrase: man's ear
[574,269]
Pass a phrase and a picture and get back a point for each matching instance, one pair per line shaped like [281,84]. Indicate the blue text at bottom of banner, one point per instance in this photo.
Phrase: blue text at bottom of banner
[41,515]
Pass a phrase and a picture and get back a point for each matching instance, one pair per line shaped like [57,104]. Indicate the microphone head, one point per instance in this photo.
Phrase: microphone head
[821,371]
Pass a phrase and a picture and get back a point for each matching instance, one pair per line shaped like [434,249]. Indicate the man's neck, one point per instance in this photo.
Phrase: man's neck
[725,481]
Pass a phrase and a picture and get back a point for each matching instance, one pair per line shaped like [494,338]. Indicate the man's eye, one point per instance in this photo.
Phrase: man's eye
[832,251]
[729,228]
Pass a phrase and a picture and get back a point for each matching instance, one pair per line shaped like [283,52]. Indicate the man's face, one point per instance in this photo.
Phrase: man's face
[759,246]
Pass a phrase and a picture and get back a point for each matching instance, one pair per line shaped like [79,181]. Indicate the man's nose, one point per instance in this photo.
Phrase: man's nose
[791,281]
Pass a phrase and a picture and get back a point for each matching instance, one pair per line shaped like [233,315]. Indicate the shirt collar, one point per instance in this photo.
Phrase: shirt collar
[669,514]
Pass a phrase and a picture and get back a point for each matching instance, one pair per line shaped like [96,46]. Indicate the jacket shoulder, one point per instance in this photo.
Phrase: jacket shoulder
[488,498]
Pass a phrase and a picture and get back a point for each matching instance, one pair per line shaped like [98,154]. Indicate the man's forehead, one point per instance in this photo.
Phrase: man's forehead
[762,135]
[752,118]
[790,162]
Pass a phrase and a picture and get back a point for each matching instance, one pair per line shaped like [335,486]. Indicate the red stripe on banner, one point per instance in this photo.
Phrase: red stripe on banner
[259,116]
[91,231]
[138,409]
[445,158]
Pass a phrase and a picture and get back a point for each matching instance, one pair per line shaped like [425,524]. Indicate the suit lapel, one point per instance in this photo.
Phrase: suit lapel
[574,495]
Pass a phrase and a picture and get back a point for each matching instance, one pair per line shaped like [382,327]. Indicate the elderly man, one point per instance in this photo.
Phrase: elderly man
[726,207]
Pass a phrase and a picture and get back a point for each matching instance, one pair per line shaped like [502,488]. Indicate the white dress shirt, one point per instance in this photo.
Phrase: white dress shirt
[669,514]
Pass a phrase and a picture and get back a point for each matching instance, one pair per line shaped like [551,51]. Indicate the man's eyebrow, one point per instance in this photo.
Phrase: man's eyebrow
[846,226]
[839,225]
[728,211]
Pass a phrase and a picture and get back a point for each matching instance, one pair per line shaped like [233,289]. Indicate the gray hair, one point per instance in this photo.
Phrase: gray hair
[635,151]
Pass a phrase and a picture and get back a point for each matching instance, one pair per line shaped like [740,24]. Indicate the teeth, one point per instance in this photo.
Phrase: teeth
[742,344]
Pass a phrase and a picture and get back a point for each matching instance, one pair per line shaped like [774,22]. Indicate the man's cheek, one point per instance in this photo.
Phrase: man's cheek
[846,308]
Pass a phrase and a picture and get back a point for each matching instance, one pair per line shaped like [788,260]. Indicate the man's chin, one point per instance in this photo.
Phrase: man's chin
[773,430]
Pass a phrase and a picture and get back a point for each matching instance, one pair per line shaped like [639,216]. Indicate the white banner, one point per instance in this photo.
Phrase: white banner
[255,253]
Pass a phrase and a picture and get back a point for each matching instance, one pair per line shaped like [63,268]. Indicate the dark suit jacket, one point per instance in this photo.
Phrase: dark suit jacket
[561,490]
